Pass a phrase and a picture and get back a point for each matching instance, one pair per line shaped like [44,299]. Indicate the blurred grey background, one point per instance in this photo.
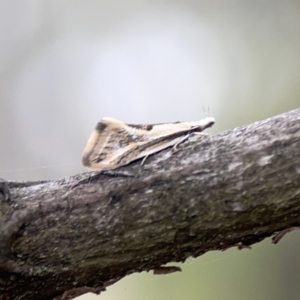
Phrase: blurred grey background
[66,64]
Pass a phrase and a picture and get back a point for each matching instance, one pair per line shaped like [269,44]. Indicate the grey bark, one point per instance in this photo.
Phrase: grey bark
[66,237]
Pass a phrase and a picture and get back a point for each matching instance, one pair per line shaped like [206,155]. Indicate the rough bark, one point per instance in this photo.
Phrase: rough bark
[66,237]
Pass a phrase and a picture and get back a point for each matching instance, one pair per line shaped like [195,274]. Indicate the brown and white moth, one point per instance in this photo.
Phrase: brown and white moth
[114,143]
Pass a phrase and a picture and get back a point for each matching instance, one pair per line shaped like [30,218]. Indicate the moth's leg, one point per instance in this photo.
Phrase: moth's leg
[4,189]
[181,141]
[144,159]
[282,233]
[201,133]
[186,137]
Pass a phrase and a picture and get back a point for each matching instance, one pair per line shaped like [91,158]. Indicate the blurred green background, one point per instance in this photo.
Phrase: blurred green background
[66,64]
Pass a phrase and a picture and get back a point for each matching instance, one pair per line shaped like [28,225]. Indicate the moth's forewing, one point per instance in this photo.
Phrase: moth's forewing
[168,129]
[145,149]
[99,147]
[115,143]
[162,136]
[111,142]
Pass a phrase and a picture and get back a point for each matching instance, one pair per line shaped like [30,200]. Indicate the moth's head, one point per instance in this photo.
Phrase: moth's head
[206,123]
[210,121]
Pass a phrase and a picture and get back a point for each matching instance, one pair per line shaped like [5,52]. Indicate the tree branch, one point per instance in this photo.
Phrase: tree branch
[83,233]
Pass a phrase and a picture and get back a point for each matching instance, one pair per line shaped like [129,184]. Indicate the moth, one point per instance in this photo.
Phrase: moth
[114,143]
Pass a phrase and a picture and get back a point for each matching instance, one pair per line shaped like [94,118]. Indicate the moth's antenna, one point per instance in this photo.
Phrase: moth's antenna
[206,111]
